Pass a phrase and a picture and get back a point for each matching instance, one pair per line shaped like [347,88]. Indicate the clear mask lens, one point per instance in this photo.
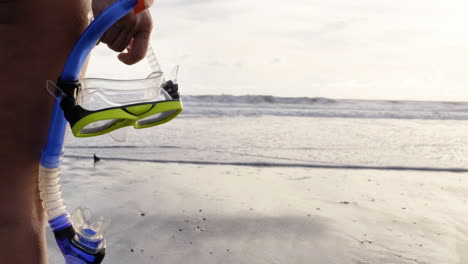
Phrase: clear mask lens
[100,125]
[104,93]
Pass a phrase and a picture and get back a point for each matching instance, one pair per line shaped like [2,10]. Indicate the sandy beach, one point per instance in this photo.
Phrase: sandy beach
[219,214]
[272,189]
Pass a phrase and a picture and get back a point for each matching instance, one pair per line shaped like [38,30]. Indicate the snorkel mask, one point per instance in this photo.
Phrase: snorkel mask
[95,107]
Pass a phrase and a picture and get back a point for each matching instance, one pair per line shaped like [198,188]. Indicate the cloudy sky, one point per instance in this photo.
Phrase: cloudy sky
[364,49]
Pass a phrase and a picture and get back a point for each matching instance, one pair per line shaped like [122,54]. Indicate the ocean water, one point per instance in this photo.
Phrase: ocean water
[304,132]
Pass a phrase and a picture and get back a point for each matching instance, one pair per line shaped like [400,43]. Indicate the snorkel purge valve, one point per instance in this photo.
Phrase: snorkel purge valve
[81,238]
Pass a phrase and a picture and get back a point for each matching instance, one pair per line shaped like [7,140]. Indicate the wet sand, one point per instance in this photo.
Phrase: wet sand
[172,213]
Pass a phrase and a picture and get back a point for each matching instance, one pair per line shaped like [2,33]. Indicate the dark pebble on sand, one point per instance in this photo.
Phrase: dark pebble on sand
[318,209]
[142,214]
[403,208]
[204,218]
[180,230]
[344,202]
[200,210]
[131,250]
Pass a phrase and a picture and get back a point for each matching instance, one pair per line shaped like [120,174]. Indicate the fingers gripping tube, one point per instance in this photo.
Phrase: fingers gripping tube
[80,243]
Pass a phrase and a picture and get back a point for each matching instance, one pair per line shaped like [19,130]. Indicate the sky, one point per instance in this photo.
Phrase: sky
[360,49]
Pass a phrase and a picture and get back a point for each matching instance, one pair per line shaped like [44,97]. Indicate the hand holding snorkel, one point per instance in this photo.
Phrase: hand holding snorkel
[81,239]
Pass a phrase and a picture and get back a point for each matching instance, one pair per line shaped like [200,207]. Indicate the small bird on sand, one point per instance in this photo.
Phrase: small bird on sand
[96,158]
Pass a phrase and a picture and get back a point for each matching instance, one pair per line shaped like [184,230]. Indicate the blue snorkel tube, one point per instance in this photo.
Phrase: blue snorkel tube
[81,242]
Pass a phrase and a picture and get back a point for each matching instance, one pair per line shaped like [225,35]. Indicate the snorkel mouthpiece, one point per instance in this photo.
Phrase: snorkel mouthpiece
[89,231]
[83,242]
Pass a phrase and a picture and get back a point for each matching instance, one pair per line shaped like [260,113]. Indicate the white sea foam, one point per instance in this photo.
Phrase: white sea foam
[260,105]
